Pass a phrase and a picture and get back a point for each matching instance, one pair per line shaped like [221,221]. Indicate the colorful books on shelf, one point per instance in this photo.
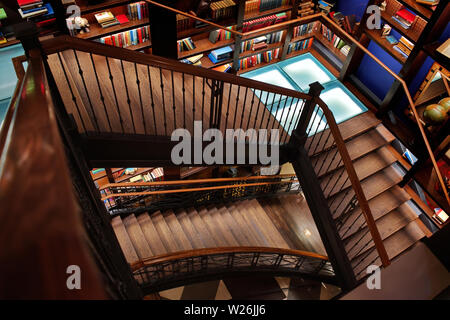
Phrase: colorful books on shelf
[404,18]
[345,50]
[222,9]
[185,44]
[264,21]
[195,60]
[127,38]
[300,45]
[30,9]
[391,39]
[336,41]
[122,19]
[428,2]
[223,68]
[306,8]
[138,10]
[264,57]
[326,6]
[264,5]
[305,29]
[220,54]
[106,19]
[220,35]
[262,41]
[404,47]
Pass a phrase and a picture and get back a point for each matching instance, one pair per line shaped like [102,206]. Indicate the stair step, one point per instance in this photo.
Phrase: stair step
[239,231]
[165,233]
[224,227]
[357,147]
[349,129]
[207,216]
[202,229]
[253,237]
[250,221]
[364,167]
[189,230]
[177,231]
[379,206]
[137,237]
[151,234]
[124,240]
[395,245]
[372,186]
[387,225]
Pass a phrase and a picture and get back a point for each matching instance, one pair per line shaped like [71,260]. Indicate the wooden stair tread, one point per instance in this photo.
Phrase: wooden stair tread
[226,230]
[177,231]
[364,167]
[137,237]
[386,225]
[124,240]
[239,231]
[151,234]
[252,235]
[189,230]
[165,233]
[372,186]
[349,129]
[357,147]
[379,206]
[201,227]
[211,224]
[253,225]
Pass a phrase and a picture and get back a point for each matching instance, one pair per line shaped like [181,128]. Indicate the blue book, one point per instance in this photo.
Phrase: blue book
[222,53]
[401,23]
[401,52]
[212,58]
[392,39]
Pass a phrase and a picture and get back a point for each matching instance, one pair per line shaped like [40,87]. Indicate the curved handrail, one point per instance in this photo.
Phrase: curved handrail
[221,250]
[324,18]
[39,228]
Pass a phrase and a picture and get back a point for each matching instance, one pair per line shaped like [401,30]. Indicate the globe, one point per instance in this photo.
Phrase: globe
[434,114]
[445,103]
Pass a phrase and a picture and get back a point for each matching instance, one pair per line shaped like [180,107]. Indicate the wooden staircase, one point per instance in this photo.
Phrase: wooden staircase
[243,223]
[367,142]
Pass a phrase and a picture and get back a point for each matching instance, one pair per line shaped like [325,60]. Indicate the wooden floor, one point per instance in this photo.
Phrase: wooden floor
[146,100]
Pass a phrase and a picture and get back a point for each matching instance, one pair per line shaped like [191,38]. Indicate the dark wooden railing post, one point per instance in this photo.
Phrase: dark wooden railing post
[27,33]
[314,195]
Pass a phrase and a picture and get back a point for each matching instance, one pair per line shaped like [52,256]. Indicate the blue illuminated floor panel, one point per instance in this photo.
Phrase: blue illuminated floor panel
[297,73]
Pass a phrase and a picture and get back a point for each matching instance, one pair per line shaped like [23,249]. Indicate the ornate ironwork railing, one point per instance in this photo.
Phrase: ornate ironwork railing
[126,198]
[162,272]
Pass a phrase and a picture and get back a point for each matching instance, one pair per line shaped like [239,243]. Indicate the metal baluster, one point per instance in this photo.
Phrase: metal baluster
[74,99]
[228,107]
[173,101]
[102,98]
[128,96]
[251,109]
[299,114]
[270,111]
[317,145]
[151,96]
[184,102]
[163,100]
[243,108]
[315,133]
[80,71]
[235,109]
[111,78]
[138,82]
[292,118]
[203,100]
[258,108]
[193,103]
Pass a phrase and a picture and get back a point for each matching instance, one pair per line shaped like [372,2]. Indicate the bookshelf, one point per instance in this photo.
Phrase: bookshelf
[375,36]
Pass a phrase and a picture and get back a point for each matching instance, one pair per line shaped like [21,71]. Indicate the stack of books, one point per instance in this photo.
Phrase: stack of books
[183,22]
[264,22]
[106,19]
[428,2]
[220,54]
[264,5]
[306,8]
[300,45]
[259,58]
[223,68]
[305,29]
[36,11]
[404,18]
[404,47]
[223,9]
[185,44]
[195,60]
[138,10]
[155,175]
[262,41]
[220,35]
[326,6]
[127,38]
[345,50]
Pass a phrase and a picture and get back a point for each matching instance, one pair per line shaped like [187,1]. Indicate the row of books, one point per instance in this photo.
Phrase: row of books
[306,8]
[305,29]
[404,47]
[127,38]
[300,45]
[221,54]
[264,21]
[185,44]
[195,60]
[220,35]
[261,42]
[336,41]
[183,22]
[404,17]
[222,9]
[259,58]
[36,11]
[347,23]
[138,10]
[264,5]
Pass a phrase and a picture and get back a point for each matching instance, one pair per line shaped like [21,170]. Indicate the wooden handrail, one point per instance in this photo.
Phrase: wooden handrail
[362,201]
[221,250]
[194,181]
[41,230]
[231,186]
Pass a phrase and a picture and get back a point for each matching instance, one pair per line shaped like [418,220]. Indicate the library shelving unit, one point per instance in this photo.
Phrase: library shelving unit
[103,176]
[116,7]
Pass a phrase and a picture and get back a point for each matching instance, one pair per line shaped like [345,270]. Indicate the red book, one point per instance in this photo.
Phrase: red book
[45,22]
[122,18]
[407,15]
[27,2]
